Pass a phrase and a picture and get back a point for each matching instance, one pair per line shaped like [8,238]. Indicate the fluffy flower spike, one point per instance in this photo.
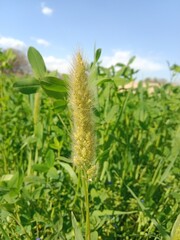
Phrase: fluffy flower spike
[81,106]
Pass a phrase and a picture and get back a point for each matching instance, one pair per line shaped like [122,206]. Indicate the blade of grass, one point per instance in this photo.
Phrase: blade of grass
[77,231]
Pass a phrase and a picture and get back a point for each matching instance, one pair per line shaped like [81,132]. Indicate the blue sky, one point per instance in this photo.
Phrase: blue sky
[122,28]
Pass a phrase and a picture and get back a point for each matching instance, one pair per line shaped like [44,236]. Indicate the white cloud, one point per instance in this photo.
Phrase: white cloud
[141,63]
[7,42]
[42,42]
[59,64]
[147,64]
[46,10]
[117,57]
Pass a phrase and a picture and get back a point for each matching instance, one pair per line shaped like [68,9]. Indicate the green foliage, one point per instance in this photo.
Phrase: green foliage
[135,194]
[52,85]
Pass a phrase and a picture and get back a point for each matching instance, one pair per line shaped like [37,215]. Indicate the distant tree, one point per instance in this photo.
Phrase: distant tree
[20,63]
[14,61]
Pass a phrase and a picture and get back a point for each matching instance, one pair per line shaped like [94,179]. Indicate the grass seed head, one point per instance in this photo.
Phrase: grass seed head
[81,106]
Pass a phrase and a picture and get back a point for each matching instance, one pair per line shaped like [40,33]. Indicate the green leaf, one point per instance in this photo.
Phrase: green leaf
[104,168]
[175,68]
[12,196]
[40,167]
[64,159]
[33,180]
[60,104]
[49,159]
[54,84]
[119,81]
[131,60]
[14,186]
[77,230]
[27,86]
[55,87]
[111,114]
[3,190]
[53,173]
[70,170]
[104,80]
[98,54]
[49,163]
[16,181]
[37,63]
[94,235]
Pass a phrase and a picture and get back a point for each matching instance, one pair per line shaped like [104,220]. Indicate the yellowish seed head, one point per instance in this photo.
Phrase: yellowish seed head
[81,106]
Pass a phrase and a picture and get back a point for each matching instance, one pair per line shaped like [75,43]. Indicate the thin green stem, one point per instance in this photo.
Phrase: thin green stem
[63,123]
[4,161]
[36,109]
[36,154]
[37,103]
[86,195]
[29,153]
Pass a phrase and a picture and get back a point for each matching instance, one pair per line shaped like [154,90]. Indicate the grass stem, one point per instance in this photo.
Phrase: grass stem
[86,195]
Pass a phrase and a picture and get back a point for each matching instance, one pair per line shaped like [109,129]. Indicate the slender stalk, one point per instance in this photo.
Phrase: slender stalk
[63,123]
[37,103]
[4,161]
[36,109]
[86,195]
[29,153]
